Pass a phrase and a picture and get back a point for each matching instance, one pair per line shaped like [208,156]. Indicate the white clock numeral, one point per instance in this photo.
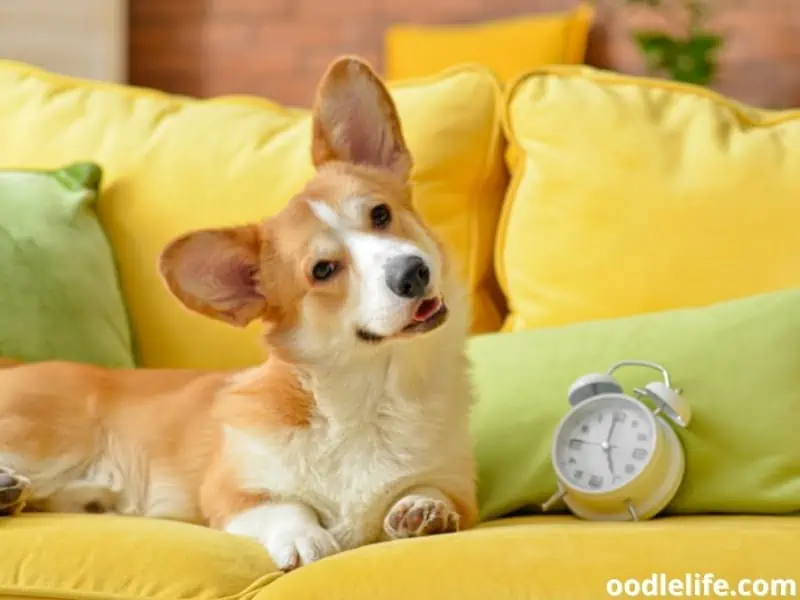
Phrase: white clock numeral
[629,469]
[575,444]
[642,437]
[620,416]
[585,428]
[639,453]
[634,423]
[578,474]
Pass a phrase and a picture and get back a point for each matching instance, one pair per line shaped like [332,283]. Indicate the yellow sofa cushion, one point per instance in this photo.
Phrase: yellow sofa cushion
[80,557]
[509,47]
[632,195]
[173,164]
[546,558]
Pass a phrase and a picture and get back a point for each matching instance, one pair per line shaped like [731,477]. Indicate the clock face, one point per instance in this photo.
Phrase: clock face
[604,443]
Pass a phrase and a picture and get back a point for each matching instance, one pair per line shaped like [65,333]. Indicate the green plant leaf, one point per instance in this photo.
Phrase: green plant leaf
[690,57]
[689,70]
[704,43]
[660,50]
[695,61]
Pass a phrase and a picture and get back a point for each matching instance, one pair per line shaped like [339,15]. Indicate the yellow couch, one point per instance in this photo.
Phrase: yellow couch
[177,163]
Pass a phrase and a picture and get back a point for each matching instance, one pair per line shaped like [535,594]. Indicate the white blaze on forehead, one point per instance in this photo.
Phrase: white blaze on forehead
[348,215]
[326,214]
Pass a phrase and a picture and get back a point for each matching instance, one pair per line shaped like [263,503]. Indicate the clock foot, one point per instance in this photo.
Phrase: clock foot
[553,499]
[632,511]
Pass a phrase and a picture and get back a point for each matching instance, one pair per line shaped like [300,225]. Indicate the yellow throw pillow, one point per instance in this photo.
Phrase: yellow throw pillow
[172,164]
[509,47]
[632,195]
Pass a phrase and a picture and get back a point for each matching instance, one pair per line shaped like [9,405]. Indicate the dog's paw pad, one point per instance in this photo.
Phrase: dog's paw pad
[415,516]
[13,491]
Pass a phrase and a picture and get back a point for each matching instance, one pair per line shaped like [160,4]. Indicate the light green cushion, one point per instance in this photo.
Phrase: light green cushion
[60,296]
[739,366]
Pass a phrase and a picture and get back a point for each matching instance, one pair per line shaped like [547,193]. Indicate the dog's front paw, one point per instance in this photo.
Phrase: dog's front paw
[13,492]
[415,516]
[295,547]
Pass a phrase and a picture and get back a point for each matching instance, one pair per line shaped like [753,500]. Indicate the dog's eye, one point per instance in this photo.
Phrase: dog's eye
[380,216]
[324,270]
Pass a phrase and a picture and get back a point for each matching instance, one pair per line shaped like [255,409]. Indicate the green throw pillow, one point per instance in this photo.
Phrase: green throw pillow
[60,295]
[737,362]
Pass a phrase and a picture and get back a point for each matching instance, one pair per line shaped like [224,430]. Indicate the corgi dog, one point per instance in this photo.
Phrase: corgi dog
[355,428]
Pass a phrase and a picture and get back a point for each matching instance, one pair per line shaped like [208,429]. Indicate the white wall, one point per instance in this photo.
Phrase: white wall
[82,38]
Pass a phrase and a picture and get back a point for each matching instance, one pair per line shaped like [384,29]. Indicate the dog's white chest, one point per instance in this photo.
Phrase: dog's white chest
[349,467]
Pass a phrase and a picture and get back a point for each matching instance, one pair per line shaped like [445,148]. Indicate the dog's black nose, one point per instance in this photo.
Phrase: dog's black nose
[408,276]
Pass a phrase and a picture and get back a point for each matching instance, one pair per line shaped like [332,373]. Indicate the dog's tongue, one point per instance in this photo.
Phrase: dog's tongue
[427,309]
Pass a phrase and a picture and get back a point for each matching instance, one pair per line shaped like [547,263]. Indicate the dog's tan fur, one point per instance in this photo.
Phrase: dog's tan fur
[332,442]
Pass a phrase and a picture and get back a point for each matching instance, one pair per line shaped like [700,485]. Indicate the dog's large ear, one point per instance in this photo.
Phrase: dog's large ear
[355,120]
[215,272]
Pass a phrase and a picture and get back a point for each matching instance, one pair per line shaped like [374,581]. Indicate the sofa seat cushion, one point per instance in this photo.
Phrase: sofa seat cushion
[553,557]
[77,557]
[117,558]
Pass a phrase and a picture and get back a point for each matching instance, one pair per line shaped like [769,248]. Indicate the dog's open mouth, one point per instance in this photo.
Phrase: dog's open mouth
[427,309]
[430,313]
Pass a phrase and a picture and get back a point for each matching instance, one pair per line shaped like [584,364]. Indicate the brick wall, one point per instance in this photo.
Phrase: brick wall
[279,48]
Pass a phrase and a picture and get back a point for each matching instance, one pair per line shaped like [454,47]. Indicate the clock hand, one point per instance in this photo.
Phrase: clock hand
[608,456]
[606,446]
[584,441]
[610,431]
[601,444]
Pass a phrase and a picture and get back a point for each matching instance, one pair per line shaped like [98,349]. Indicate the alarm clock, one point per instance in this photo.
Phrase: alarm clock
[616,457]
